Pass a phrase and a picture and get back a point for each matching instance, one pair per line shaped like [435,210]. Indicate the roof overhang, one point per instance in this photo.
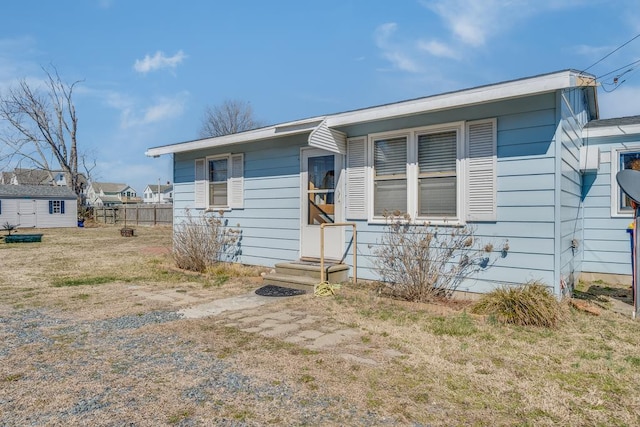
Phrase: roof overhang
[614,130]
[321,125]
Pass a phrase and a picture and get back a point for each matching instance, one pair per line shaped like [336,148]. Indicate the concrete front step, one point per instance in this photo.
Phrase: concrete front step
[335,273]
[294,282]
[305,275]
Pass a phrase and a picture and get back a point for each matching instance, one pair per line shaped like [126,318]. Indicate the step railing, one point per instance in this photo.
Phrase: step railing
[354,248]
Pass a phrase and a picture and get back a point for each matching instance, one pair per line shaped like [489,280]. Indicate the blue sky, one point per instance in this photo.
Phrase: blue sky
[149,68]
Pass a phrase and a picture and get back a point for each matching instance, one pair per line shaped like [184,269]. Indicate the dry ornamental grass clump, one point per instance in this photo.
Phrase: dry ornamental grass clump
[528,305]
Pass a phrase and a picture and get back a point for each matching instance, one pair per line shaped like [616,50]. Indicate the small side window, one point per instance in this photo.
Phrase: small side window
[622,159]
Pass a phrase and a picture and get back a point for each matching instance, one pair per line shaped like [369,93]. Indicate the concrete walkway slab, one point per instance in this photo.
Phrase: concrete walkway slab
[240,302]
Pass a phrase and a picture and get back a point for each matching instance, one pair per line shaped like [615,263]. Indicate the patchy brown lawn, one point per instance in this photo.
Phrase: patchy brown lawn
[90,336]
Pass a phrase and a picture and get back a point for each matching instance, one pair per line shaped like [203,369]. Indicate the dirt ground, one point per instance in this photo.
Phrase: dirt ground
[92,334]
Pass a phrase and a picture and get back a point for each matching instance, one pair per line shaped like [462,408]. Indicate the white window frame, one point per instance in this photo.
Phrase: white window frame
[616,192]
[227,157]
[412,135]
[56,207]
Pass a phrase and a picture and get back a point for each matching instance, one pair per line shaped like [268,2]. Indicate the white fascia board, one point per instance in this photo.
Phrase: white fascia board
[616,130]
[283,129]
[479,95]
[483,94]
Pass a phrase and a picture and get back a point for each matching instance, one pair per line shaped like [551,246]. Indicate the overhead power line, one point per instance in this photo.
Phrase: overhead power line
[610,53]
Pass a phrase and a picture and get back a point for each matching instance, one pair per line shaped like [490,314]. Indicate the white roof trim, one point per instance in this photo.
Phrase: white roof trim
[285,129]
[483,94]
[614,130]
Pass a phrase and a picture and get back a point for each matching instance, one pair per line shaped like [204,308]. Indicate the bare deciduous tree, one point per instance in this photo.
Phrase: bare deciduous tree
[39,125]
[232,116]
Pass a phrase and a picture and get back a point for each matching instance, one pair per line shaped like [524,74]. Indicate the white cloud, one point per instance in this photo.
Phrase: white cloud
[437,48]
[621,102]
[392,51]
[165,108]
[158,62]
[473,22]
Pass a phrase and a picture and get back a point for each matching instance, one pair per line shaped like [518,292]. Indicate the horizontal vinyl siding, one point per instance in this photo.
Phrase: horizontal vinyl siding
[270,219]
[525,197]
[607,246]
[43,219]
[9,211]
[573,116]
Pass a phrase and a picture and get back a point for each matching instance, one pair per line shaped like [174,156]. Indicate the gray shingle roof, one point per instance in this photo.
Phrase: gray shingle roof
[33,176]
[108,187]
[36,192]
[163,188]
[618,121]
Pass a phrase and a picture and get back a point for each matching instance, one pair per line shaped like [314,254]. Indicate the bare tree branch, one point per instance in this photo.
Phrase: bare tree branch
[232,116]
[41,126]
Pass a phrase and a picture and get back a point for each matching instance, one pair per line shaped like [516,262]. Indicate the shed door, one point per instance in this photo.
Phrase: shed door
[321,204]
[27,213]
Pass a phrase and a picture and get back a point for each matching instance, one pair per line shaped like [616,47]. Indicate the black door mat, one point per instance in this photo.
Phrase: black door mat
[278,291]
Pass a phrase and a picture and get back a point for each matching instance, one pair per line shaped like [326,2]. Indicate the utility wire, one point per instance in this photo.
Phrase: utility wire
[618,69]
[610,53]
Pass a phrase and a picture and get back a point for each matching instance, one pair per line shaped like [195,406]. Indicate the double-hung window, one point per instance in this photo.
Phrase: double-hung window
[437,177]
[390,175]
[443,173]
[417,173]
[219,182]
[218,175]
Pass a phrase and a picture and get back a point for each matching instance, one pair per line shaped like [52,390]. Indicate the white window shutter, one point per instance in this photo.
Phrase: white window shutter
[481,170]
[200,184]
[236,182]
[357,178]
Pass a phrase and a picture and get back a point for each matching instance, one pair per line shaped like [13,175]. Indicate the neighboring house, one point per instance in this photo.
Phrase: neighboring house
[110,194]
[39,177]
[5,178]
[503,158]
[41,206]
[610,145]
[154,193]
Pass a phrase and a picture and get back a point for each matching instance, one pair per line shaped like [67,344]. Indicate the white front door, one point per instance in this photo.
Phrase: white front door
[27,213]
[321,203]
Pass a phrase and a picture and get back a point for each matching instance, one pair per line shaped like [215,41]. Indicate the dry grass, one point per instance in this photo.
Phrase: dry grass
[528,305]
[453,368]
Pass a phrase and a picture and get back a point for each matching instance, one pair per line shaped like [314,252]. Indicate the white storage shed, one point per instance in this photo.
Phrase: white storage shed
[38,206]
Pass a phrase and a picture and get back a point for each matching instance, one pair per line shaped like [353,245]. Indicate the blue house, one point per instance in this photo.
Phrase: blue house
[504,157]
[609,146]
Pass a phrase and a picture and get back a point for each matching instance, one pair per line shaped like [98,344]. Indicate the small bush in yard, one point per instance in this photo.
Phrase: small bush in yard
[420,262]
[527,305]
[201,241]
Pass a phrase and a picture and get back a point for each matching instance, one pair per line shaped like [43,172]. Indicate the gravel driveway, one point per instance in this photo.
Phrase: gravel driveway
[130,371]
